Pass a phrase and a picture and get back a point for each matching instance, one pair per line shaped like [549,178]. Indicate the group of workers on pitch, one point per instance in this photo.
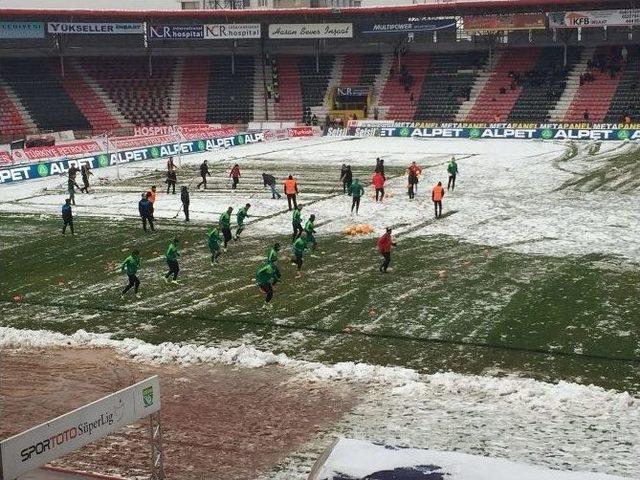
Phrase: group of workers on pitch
[303,238]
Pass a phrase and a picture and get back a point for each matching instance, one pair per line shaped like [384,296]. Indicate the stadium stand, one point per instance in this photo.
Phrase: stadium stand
[12,117]
[527,84]
[625,103]
[88,100]
[543,85]
[101,83]
[502,89]
[402,86]
[141,98]
[447,84]
[230,95]
[314,82]
[289,103]
[193,88]
[37,86]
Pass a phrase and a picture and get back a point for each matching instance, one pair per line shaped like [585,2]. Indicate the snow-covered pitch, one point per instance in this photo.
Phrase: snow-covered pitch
[509,193]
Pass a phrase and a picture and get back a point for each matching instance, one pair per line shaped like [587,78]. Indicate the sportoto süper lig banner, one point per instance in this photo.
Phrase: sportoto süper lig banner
[41,444]
[17,173]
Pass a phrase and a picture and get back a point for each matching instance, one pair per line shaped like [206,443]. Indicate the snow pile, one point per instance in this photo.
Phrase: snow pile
[242,355]
[560,425]
[535,395]
[530,393]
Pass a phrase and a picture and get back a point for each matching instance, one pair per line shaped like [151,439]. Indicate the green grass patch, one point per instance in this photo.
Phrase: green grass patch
[447,305]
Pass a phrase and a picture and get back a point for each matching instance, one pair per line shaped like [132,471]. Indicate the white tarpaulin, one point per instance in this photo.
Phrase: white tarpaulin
[46,442]
[356,459]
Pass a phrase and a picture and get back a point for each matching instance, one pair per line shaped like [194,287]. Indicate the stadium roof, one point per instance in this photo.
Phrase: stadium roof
[435,9]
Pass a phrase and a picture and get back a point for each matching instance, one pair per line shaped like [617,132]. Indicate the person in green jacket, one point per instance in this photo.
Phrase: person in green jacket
[225,227]
[299,246]
[213,241]
[240,216]
[266,278]
[297,222]
[172,261]
[272,258]
[309,229]
[452,168]
[130,266]
[356,190]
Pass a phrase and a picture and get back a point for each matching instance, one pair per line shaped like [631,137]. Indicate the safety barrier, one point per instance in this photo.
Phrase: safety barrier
[17,173]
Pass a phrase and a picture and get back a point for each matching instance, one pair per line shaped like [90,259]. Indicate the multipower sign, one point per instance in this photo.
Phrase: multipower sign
[59,167]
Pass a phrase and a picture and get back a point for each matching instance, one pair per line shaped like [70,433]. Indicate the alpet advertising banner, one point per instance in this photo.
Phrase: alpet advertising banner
[61,166]
[410,26]
[95,28]
[176,32]
[501,133]
[597,18]
[21,29]
[311,30]
[232,31]
[510,21]
[42,444]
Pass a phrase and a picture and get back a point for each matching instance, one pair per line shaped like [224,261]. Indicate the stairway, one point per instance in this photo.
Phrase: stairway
[394,96]
[37,85]
[193,90]
[259,93]
[91,105]
[75,65]
[386,61]
[15,120]
[572,87]
[478,86]
[335,80]
[289,107]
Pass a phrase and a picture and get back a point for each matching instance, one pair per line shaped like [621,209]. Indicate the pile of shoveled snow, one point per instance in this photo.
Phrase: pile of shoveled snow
[529,392]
